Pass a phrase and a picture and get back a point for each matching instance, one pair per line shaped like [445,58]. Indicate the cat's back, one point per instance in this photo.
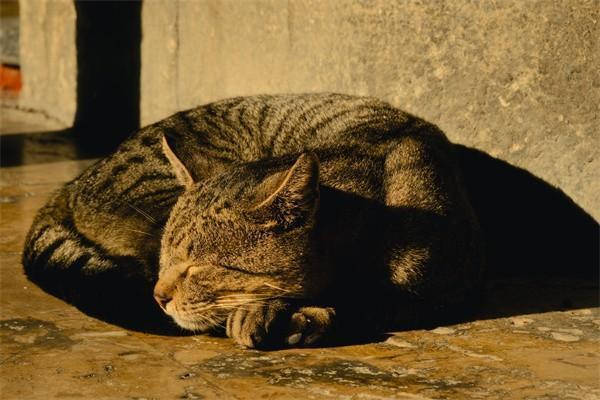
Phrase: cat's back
[245,129]
[345,131]
[265,126]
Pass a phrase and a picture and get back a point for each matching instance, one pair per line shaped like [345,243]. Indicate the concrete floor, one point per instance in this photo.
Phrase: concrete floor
[51,350]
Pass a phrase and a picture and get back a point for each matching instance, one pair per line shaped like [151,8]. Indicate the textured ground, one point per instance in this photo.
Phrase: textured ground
[51,350]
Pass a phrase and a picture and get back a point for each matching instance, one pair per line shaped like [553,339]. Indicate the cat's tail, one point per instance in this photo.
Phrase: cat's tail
[67,265]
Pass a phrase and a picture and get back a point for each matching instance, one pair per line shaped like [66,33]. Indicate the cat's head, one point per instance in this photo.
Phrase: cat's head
[243,235]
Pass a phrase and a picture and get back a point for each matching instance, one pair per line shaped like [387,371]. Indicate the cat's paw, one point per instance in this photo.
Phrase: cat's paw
[256,326]
[310,326]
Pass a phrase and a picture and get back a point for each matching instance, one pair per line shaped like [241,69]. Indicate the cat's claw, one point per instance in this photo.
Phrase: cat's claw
[309,325]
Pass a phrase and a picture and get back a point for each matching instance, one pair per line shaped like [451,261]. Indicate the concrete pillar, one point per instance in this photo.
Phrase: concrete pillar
[160,60]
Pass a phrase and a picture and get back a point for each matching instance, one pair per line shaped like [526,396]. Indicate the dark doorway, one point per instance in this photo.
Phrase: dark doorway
[108,35]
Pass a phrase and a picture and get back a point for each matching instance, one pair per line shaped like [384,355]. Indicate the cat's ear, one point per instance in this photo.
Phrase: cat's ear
[179,169]
[289,198]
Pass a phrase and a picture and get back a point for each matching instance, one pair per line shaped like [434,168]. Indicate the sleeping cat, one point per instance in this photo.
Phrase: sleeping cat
[284,220]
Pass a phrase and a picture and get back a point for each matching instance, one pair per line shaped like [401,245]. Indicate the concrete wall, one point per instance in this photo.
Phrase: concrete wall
[517,79]
[48,58]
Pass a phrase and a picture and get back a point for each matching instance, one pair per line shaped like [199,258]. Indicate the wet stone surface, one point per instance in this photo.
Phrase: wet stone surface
[33,333]
[50,350]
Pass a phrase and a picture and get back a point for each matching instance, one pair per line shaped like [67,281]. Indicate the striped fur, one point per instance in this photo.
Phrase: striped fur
[101,233]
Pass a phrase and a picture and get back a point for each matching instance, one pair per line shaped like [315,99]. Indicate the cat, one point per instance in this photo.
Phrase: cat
[282,220]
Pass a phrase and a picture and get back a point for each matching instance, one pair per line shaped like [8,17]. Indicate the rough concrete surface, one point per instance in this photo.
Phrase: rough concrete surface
[50,350]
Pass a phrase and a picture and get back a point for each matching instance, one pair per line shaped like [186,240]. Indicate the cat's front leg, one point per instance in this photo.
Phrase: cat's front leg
[276,324]
[260,325]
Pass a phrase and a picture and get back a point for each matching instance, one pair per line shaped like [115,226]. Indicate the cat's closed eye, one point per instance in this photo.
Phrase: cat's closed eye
[232,267]
[236,268]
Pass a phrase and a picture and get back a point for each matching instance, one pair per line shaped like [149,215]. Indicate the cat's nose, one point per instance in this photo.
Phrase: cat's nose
[162,299]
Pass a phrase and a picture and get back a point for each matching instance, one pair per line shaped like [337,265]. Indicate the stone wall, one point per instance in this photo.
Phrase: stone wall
[517,79]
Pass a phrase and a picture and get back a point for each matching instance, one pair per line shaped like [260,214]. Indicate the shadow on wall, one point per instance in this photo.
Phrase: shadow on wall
[531,227]
[542,249]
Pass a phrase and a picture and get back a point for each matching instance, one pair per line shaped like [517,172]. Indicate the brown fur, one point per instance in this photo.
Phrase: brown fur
[283,219]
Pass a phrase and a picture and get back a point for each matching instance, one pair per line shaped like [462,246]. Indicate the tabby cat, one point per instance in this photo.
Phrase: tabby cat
[283,220]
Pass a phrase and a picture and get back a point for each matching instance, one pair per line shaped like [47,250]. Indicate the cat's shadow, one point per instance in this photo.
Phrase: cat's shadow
[542,248]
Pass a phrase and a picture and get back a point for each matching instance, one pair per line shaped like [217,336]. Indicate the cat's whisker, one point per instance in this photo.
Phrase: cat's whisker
[138,231]
[244,300]
[215,323]
[233,305]
[237,303]
[275,287]
[245,295]
[239,295]
[141,212]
